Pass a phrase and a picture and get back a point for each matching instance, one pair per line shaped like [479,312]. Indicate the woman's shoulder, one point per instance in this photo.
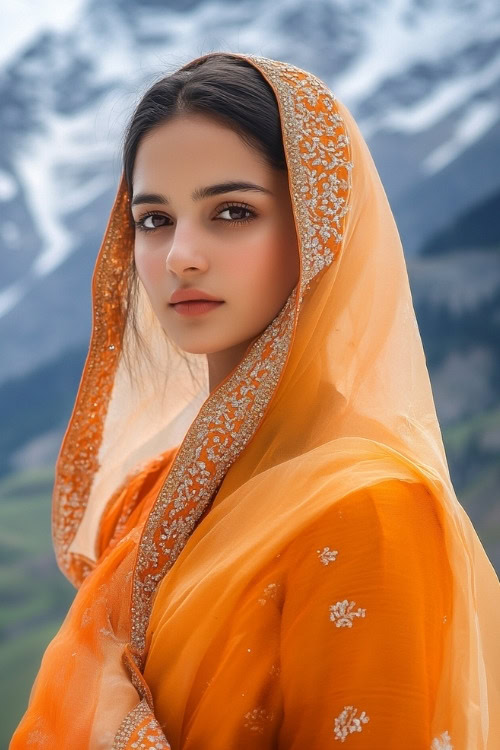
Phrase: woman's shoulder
[127,506]
[392,522]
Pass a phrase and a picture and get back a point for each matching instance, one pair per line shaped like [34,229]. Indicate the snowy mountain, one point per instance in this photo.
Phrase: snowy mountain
[422,79]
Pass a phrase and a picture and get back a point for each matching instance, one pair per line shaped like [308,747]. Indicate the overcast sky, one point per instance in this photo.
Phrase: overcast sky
[23,19]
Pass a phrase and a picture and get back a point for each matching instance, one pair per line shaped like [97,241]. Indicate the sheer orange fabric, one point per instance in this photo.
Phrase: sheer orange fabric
[281,563]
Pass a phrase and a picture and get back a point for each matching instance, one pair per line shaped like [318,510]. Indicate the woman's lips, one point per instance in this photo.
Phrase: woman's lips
[195,306]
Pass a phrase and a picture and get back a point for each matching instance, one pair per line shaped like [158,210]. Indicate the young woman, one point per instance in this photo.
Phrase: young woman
[252,496]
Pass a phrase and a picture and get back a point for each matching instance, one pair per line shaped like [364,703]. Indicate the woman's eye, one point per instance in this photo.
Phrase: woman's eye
[232,214]
[142,224]
[236,214]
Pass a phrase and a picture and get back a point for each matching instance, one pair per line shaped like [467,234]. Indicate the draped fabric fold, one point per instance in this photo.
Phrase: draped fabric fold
[283,562]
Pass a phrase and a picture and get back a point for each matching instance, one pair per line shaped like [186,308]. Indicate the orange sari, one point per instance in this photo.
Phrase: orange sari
[282,563]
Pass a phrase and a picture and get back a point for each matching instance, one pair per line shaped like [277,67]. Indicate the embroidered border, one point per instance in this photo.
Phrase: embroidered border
[78,457]
[318,157]
[139,729]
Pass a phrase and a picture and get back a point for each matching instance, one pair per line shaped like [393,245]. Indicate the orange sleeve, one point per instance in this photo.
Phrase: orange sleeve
[132,501]
[364,619]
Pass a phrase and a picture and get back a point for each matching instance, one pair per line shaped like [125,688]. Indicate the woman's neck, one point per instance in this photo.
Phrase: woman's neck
[220,364]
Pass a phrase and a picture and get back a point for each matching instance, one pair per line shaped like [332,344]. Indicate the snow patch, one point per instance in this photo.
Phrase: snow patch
[24,20]
[8,187]
[10,296]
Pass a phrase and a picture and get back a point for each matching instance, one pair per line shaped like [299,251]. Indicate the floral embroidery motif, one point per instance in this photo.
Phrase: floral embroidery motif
[341,613]
[443,742]
[347,722]
[257,719]
[327,555]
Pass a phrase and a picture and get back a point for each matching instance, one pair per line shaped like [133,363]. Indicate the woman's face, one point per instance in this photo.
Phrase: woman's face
[211,217]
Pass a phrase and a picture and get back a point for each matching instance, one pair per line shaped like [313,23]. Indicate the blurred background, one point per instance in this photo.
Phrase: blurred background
[422,79]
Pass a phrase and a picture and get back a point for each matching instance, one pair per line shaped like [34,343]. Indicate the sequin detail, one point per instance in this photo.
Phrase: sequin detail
[327,555]
[443,742]
[140,730]
[342,613]
[256,720]
[275,670]
[270,592]
[347,722]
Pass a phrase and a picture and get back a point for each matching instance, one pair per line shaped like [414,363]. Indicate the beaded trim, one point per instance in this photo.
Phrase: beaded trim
[140,729]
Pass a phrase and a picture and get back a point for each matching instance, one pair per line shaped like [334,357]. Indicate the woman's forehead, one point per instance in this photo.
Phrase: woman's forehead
[194,153]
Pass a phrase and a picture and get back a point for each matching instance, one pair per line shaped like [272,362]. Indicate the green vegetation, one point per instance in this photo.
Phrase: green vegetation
[34,595]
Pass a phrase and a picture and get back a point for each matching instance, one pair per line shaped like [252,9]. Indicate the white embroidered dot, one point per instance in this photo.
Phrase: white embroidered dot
[443,742]
[347,722]
[327,555]
[257,719]
[342,615]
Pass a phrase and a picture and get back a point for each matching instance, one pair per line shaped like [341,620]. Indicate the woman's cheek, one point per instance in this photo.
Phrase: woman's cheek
[150,267]
[270,273]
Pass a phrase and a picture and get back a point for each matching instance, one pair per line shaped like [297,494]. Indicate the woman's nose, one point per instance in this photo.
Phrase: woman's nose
[186,252]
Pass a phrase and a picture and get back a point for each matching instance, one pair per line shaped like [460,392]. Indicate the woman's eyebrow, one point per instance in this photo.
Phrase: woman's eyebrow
[203,192]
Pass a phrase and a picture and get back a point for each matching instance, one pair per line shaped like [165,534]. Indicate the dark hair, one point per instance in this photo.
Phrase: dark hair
[225,88]
[222,87]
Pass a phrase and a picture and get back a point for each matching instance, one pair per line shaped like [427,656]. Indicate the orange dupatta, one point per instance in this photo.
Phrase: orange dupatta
[283,562]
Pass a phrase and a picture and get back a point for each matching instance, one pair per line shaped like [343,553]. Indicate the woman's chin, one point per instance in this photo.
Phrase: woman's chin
[202,348]
[207,349]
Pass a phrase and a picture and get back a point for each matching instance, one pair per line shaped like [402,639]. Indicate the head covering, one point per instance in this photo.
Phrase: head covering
[337,384]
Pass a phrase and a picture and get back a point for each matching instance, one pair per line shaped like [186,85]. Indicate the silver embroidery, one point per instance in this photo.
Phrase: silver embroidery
[319,157]
[327,555]
[443,742]
[140,721]
[341,613]
[347,722]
